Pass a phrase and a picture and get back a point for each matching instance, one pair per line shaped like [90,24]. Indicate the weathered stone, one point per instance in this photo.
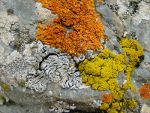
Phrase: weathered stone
[18,22]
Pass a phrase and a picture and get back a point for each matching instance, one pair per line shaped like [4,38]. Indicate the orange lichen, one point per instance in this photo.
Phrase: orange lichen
[100,1]
[145,91]
[80,17]
[107,98]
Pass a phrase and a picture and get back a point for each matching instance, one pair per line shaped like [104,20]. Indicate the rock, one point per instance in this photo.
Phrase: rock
[44,15]
[25,10]
[24,109]
[145,109]
[40,77]
[111,19]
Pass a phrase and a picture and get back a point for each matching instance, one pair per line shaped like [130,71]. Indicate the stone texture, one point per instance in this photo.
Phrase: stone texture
[18,22]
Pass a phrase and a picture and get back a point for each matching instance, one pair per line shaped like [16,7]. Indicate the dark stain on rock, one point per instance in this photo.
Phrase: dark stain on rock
[133,5]
[10,11]
[141,59]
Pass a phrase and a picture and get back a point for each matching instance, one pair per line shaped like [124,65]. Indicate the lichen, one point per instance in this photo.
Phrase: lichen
[107,98]
[5,86]
[47,64]
[145,91]
[132,104]
[80,18]
[21,83]
[102,71]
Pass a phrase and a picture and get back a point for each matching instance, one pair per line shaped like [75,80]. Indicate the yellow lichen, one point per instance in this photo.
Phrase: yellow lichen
[104,106]
[112,111]
[5,86]
[115,106]
[102,71]
[131,103]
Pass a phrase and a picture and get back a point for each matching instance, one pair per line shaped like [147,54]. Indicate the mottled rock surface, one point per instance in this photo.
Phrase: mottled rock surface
[24,66]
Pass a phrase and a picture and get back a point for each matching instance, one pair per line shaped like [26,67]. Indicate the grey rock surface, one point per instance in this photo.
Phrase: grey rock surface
[20,59]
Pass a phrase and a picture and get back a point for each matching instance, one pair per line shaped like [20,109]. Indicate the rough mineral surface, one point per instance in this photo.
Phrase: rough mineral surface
[38,78]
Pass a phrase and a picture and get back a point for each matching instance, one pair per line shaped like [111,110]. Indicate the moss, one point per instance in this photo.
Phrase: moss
[102,71]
